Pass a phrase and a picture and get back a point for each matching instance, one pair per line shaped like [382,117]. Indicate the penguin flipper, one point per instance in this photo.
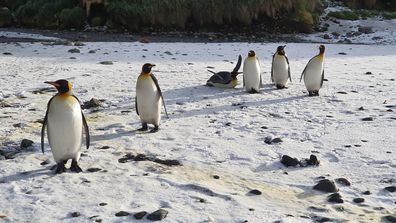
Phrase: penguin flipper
[43,130]
[272,68]
[211,71]
[238,65]
[136,106]
[87,136]
[45,121]
[160,92]
[321,82]
[86,129]
[288,68]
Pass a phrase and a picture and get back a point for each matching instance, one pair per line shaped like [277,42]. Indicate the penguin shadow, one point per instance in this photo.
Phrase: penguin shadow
[119,133]
[27,175]
[223,108]
[198,93]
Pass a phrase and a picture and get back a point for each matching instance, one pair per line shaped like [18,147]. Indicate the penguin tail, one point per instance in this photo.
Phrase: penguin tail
[238,65]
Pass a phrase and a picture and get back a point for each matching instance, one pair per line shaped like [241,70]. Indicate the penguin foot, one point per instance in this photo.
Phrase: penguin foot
[316,93]
[74,167]
[60,168]
[280,86]
[311,93]
[143,128]
[155,129]
[253,91]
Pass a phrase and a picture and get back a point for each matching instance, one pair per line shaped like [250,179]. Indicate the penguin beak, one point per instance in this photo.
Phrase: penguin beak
[152,65]
[52,83]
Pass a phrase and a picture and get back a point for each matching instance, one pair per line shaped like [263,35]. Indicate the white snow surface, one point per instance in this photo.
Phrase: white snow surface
[210,131]
[26,35]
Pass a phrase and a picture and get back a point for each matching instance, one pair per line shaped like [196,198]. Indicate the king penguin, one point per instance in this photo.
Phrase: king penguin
[148,99]
[225,79]
[314,73]
[280,71]
[65,121]
[251,73]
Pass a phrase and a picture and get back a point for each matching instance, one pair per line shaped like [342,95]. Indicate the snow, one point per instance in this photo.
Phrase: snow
[210,131]
[33,36]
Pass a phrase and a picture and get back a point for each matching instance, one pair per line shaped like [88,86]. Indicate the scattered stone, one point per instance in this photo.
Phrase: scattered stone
[368,119]
[78,43]
[318,209]
[276,140]
[342,92]
[105,147]
[157,215]
[74,50]
[369,73]
[289,161]
[7,53]
[92,51]
[390,189]
[142,157]
[390,218]
[26,143]
[168,53]
[366,29]
[326,36]
[45,162]
[313,161]
[75,214]
[367,192]
[102,204]
[93,169]
[106,62]
[343,181]
[361,108]
[255,192]
[335,198]
[216,177]
[342,53]
[326,186]
[72,58]
[358,200]
[140,215]
[121,214]
[93,103]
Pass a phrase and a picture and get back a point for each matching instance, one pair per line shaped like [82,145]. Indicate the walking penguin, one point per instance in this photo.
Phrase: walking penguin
[314,73]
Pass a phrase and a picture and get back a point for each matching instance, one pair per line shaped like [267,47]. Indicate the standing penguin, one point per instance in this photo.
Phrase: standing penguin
[225,79]
[65,121]
[148,99]
[314,73]
[280,71]
[251,73]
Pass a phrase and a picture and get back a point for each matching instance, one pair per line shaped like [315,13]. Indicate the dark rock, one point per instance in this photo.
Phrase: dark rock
[168,53]
[268,139]
[369,73]
[358,200]
[277,140]
[93,169]
[216,177]
[7,53]
[390,218]
[326,186]
[168,162]
[289,161]
[102,204]
[92,51]
[45,162]
[105,147]
[317,209]
[342,53]
[335,198]
[361,108]
[326,36]
[367,192]
[26,143]
[157,215]
[313,161]
[390,189]
[98,220]
[343,181]
[75,214]
[79,44]
[121,214]
[93,103]
[366,29]
[106,62]
[368,119]
[74,50]
[140,215]
[342,92]
[255,192]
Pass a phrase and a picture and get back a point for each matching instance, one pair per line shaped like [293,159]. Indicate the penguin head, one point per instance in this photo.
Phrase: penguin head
[321,49]
[251,53]
[281,50]
[63,86]
[146,69]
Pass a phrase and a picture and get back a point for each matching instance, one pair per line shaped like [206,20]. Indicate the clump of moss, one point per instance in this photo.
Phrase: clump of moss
[345,15]
[72,18]
[5,17]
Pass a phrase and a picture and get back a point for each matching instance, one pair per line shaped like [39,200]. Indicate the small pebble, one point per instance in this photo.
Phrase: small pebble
[358,200]
[140,215]
[121,214]
[75,214]
[255,192]
[157,215]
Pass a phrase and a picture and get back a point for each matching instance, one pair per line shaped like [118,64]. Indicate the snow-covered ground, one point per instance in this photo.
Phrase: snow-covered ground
[210,131]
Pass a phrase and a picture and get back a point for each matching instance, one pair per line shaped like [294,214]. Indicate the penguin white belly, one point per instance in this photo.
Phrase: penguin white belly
[313,74]
[64,127]
[251,73]
[148,101]
[280,70]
